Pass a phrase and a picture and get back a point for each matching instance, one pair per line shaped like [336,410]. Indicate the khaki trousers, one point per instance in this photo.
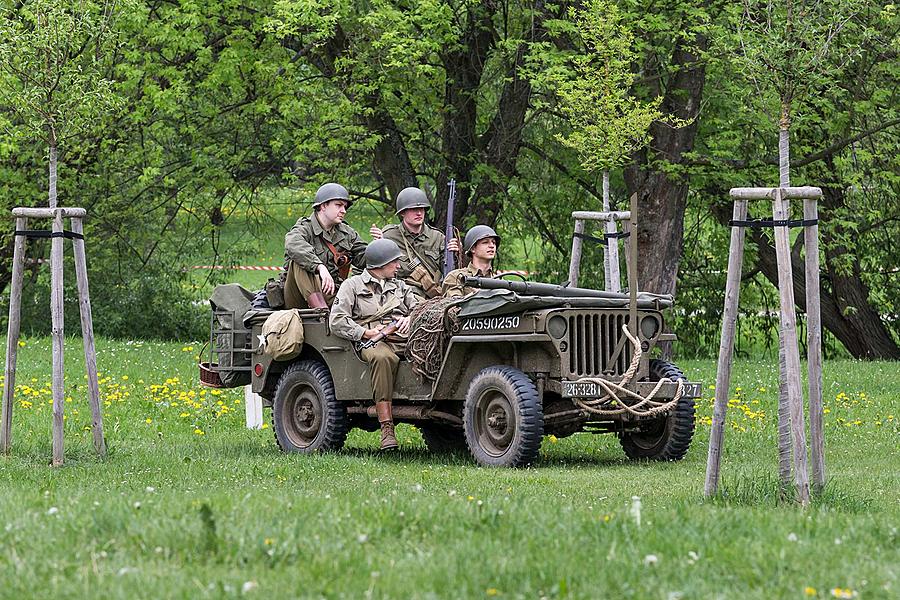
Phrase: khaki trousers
[383,362]
[299,284]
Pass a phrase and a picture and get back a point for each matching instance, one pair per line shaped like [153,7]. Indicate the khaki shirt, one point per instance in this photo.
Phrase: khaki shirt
[426,246]
[360,300]
[304,245]
[455,282]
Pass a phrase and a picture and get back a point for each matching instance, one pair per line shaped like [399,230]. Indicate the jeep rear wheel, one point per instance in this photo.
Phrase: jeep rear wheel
[306,416]
[503,419]
[442,439]
[667,438]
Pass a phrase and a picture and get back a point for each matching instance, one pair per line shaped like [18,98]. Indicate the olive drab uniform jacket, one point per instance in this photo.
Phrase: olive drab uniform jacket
[425,250]
[305,245]
[455,281]
[365,302]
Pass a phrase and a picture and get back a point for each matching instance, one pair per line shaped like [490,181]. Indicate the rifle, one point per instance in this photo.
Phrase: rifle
[392,327]
[449,263]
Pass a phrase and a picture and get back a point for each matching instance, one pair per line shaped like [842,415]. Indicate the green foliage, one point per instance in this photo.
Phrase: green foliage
[53,55]
[607,124]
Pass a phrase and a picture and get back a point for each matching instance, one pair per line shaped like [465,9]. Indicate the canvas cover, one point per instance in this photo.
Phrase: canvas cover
[229,302]
[501,302]
[282,334]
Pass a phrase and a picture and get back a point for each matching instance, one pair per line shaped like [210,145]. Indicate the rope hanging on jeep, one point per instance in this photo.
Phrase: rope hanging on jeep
[612,403]
[432,324]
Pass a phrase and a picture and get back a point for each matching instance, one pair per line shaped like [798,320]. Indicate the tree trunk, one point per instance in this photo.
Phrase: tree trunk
[53,164]
[662,195]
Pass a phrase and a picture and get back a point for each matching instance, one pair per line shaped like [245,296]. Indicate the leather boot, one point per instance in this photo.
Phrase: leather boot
[388,439]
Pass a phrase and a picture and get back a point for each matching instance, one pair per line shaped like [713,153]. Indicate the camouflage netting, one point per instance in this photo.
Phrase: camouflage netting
[433,322]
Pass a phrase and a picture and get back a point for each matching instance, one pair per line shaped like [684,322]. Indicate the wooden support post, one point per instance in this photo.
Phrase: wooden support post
[87,334]
[12,335]
[631,264]
[814,346]
[575,263]
[611,251]
[726,349]
[781,212]
[56,315]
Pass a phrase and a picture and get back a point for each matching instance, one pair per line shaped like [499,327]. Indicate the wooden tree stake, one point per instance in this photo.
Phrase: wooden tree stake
[726,349]
[781,212]
[814,346]
[57,318]
[12,336]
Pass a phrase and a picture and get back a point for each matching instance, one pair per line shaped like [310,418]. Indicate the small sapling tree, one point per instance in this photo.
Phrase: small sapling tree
[54,61]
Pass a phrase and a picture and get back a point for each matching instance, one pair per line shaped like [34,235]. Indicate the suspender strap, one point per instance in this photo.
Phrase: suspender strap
[340,259]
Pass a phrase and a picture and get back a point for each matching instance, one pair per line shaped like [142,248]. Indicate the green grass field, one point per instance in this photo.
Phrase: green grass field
[191,504]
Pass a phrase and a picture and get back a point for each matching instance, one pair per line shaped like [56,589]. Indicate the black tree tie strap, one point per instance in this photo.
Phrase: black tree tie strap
[37,233]
[605,239]
[768,223]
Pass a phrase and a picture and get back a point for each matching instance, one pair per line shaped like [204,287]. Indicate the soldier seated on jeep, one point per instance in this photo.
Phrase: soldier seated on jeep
[365,306]
[320,249]
[480,244]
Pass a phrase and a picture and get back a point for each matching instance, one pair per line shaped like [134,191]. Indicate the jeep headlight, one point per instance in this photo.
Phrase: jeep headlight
[649,326]
[557,326]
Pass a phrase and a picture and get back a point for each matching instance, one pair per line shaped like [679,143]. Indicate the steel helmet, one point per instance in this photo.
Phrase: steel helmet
[381,252]
[476,234]
[331,191]
[411,197]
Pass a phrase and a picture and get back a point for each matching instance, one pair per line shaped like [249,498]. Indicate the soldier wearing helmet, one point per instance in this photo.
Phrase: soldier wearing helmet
[481,243]
[366,304]
[422,245]
[320,249]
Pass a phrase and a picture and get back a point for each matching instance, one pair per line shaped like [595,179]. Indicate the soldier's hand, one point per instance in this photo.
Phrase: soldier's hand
[368,334]
[376,232]
[327,280]
[453,245]
[403,325]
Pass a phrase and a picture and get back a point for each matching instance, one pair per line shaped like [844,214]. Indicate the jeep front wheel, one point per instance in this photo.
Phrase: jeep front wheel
[306,416]
[503,419]
[666,438]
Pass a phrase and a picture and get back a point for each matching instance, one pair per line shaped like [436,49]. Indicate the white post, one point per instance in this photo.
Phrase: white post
[253,408]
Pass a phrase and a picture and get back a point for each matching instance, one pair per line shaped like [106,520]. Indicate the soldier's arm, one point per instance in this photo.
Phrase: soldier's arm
[340,320]
[454,285]
[298,248]
[409,298]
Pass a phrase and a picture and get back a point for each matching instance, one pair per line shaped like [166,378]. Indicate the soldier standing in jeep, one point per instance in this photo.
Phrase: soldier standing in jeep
[365,305]
[320,249]
[481,245]
[421,244]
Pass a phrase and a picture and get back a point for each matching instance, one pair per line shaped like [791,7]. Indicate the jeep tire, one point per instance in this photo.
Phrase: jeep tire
[306,416]
[667,438]
[503,419]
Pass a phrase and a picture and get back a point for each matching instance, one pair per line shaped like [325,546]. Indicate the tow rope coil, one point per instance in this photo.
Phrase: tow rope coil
[613,404]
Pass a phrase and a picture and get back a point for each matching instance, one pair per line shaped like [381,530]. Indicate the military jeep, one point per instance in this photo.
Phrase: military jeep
[521,365]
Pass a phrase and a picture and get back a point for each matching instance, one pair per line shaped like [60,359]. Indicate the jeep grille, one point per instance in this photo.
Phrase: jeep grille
[593,341]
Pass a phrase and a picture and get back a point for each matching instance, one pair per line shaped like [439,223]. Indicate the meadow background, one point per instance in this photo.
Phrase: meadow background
[189,503]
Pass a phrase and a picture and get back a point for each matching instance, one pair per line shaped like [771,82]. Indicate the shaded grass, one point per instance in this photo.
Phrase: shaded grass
[174,513]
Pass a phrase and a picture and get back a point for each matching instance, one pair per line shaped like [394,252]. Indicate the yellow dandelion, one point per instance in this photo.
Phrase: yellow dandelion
[199,431]
[491,591]
[809,591]
[21,343]
[148,420]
